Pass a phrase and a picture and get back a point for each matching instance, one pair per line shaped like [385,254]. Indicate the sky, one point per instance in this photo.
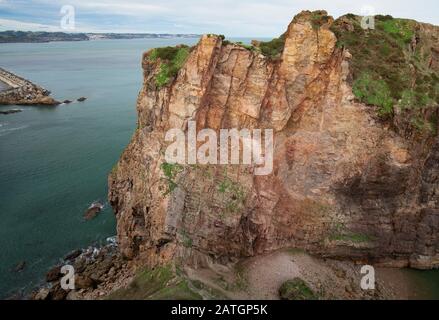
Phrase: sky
[233,18]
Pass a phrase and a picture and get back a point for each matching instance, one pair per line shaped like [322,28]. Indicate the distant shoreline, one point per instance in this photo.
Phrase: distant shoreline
[45,37]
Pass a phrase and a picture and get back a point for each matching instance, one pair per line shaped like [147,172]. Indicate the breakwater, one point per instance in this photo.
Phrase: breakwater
[17,90]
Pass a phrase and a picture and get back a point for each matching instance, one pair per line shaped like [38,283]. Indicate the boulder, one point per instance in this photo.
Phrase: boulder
[58,293]
[54,274]
[84,282]
[20,266]
[73,255]
[43,294]
[93,210]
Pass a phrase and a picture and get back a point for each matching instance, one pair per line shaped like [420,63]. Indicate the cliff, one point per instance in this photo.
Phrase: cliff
[22,92]
[355,171]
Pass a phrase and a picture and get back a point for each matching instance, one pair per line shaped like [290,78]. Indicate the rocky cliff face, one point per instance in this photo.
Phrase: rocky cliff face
[345,182]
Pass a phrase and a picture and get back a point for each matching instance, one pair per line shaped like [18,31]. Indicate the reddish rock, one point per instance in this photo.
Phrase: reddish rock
[343,185]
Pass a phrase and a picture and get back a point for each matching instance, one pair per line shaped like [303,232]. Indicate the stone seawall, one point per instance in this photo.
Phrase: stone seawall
[11,79]
[22,91]
[4,86]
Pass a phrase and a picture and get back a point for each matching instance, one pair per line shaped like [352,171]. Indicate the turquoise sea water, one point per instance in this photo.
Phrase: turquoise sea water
[54,161]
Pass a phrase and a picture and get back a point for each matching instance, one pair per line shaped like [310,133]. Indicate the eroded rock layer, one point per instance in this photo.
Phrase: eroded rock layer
[345,184]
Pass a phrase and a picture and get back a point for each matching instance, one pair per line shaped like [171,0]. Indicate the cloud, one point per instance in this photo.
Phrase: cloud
[7,24]
[117,7]
[251,18]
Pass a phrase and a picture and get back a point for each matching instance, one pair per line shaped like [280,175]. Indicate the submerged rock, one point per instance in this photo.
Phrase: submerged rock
[11,111]
[82,99]
[93,266]
[20,266]
[93,210]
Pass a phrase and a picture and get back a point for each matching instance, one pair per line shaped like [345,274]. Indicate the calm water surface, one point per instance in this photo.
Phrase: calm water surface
[54,161]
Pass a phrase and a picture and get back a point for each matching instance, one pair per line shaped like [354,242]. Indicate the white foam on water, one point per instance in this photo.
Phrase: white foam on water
[5,132]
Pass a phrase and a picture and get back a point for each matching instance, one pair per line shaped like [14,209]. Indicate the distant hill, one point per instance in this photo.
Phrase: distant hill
[30,36]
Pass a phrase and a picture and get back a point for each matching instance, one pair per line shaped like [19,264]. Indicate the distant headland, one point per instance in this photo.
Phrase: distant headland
[41,36]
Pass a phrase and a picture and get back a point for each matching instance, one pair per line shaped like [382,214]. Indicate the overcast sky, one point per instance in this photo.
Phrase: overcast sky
[252,18]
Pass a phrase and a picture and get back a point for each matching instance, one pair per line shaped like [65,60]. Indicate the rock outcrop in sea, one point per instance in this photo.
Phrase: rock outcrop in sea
[352,179]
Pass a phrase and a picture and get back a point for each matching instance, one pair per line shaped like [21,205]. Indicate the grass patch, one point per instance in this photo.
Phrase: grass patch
[428,126]
[179,291]
[233,193]
[187,241]
[144,284]
[172,60]
[273,49]
[381,63]
[296,289]
[246,46]
[170,172]
[213,293]
[158,284]
[374,92]
[352,237]
[241,279]
[401,30]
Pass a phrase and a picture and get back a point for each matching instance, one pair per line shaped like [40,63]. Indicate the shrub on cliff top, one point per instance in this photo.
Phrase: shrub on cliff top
[172,59]
[401,30]
[386,70]
[318,19]
[273,48]
[374,92]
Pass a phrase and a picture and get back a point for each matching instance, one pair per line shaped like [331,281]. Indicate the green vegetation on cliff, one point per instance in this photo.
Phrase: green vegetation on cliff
[273,49]
[319,18]
[170,172]
[296,289]
[172,60]
[161,283]
[390,64]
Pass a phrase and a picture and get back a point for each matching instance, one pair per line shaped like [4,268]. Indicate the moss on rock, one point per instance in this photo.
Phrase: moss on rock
[296,289]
